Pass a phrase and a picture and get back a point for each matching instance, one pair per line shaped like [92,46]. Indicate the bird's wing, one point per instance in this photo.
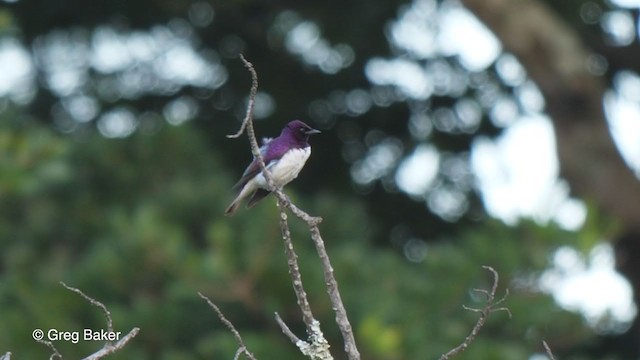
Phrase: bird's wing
[269,154]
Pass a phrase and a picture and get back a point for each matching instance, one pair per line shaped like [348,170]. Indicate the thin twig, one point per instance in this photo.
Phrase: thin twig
[334,294]
[317,348]
[489,308]
[332,285]
[56,354]
[248,118]
[239,352]
[247,122]
[109,347]
[294,270]
[93,302]
[285,330]
[548,350]
[242,347]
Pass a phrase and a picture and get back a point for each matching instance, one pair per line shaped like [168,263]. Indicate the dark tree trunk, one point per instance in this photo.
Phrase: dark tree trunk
[555,57]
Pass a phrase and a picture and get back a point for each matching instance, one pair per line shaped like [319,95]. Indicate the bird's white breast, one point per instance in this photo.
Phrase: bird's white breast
[287,168]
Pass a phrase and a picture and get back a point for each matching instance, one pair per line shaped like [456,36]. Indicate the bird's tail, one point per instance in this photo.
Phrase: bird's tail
[231,209]
[246,190]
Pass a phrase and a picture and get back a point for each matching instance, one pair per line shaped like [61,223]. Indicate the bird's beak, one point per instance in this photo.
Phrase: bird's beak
[313,131]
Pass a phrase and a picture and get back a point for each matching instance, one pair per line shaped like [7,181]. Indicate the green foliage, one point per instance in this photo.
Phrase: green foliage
[415,311]
[137,224]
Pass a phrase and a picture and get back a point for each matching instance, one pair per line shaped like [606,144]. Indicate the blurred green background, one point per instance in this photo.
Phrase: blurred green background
[115,172]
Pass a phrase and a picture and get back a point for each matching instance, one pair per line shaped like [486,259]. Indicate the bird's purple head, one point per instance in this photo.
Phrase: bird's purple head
[299,130]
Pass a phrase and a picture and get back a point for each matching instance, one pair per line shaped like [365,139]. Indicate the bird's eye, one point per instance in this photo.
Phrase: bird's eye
[302,130]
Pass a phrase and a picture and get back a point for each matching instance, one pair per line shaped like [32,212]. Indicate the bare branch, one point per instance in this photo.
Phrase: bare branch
[247,123]
[242,347]
[56,354]
[294,271]
[548,350]
[93,302]
[109,347]
[284,202]
[238,353]
[248,118]
[489,308]
[285,330]
[334,295]
[332,285]
[317,348]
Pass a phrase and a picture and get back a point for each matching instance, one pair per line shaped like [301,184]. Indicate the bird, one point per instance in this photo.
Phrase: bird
[284,157]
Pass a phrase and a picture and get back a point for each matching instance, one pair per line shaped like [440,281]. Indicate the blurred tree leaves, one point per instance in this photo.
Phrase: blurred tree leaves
[138,224]
[32,158]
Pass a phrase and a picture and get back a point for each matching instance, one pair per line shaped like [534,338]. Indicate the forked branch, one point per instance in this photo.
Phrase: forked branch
[109,347]
[316,339]
[242,348]
[492,305]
